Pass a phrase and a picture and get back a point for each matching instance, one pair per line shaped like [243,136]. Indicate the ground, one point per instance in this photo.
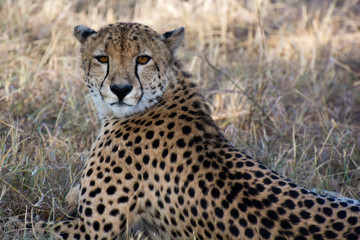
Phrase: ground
[282,79]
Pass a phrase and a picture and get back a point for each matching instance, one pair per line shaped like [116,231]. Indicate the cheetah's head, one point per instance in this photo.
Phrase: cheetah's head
[127,66]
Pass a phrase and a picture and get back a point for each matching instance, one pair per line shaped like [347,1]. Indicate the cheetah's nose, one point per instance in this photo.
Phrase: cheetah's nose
[121,90]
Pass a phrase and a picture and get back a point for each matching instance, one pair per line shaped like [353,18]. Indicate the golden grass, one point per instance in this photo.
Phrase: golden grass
[283,78]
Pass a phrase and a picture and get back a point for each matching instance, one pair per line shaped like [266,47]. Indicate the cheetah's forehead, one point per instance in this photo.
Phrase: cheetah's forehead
[125,38]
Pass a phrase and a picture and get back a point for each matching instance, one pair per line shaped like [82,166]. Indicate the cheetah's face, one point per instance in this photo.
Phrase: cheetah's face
[127,67]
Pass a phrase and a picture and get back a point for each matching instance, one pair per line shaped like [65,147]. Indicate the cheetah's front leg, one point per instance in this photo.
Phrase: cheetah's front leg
[72,200]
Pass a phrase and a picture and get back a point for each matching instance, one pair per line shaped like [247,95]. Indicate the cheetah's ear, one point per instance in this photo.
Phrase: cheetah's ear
[82,32]
[173,39]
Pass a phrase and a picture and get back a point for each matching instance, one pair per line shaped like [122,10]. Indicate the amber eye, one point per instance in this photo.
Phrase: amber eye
[102,59]
[143,59]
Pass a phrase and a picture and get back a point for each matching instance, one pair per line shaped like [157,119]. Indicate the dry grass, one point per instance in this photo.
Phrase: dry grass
[283,78]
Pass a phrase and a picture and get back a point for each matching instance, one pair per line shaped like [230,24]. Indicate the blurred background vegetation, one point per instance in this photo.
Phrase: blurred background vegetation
[282,77]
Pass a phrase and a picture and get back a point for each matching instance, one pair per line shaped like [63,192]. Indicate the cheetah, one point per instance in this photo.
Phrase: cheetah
[161,165]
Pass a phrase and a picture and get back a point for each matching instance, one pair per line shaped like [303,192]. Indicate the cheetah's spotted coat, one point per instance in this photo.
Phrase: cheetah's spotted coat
[161,165]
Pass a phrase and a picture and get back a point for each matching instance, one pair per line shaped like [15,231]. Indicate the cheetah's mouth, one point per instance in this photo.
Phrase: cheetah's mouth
[124,104]
[120,104]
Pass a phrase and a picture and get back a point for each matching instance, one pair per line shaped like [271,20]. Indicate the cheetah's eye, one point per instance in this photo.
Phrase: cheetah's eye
[102,59]
[143,59]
